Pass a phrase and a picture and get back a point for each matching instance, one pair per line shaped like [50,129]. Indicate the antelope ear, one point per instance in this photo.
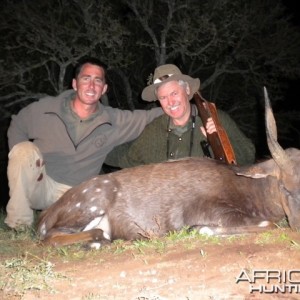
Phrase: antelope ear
[260,170]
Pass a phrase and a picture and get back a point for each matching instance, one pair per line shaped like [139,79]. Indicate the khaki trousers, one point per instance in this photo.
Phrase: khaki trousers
[30,187]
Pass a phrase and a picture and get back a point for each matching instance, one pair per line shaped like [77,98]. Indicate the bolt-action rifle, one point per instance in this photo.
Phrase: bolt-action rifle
[219,141]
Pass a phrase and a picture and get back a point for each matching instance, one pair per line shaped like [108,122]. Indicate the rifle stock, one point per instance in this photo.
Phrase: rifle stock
[219,141]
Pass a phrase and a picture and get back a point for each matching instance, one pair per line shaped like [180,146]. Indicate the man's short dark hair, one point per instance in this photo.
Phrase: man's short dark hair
[89,60]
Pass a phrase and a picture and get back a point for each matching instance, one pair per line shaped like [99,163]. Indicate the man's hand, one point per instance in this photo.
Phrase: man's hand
[210,127]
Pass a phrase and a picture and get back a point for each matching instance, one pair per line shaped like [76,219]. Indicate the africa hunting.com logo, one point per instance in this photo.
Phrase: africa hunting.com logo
[271,281]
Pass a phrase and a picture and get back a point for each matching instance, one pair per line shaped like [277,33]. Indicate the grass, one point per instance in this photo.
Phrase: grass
[269,237]
[29,272]
[26,265]
[22,267]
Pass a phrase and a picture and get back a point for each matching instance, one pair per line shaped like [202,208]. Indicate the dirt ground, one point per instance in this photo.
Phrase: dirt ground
[191,269]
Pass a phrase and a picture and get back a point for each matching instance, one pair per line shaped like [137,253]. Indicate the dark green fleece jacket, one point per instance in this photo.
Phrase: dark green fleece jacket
[158,142]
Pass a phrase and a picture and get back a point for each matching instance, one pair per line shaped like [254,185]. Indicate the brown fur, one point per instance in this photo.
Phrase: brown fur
[158,198]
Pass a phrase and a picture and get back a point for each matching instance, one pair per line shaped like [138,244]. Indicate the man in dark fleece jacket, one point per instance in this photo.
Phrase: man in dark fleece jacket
[179,132]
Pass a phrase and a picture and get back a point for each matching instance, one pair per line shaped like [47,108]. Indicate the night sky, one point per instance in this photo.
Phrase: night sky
[293,8]
[293,94]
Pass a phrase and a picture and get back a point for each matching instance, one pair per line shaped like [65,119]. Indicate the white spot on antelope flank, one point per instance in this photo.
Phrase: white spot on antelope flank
[105,181]
[101,212]
[78,204]
[98,190]
[84,191]
[93,208]
[119,194]
[92,199]
[115,189]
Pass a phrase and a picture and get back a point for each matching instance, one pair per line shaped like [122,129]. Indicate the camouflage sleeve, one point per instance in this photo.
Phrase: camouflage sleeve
[118,156]
[149,147]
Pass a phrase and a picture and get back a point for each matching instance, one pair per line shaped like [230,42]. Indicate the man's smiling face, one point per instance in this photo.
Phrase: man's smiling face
[90,84]
[174,100]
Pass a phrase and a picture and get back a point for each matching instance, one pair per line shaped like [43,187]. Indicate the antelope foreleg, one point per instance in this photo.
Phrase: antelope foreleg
[58,238]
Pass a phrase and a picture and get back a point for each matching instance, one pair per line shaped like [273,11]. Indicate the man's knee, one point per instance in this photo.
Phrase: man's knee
[25,164]
[25,153]
[24,150]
